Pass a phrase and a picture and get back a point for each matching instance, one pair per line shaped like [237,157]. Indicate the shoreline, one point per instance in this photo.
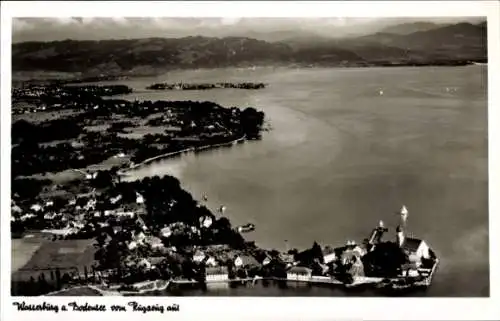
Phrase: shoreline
[185,150]
[373,283]
[22,75]
[102,292]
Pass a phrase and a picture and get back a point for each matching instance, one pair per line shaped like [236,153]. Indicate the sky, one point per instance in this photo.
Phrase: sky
[49,29]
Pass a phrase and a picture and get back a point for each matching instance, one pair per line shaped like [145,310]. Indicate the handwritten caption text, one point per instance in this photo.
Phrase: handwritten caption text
[132,306]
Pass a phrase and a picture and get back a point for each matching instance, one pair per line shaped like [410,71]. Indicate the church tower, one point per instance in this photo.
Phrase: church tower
[400,235]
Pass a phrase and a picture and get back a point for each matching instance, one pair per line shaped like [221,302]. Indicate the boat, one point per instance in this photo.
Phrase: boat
[406,263]
[246,228]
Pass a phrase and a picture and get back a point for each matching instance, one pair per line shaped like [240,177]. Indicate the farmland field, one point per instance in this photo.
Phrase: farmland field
[62,254]
[22,251]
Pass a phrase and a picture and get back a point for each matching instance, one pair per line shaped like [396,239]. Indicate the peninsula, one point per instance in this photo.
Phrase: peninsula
[69,145]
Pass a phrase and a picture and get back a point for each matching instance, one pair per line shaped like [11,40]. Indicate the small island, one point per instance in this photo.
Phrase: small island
[206,86]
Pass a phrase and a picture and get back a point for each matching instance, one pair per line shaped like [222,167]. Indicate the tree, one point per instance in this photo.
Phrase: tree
[251,122]
[103,179]
[58,279]
[43,286]
[317,251]
[59,203]
[223,223]
[385,260]
[101,239]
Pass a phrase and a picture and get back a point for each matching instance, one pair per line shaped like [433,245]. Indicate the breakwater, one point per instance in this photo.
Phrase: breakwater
[185,150]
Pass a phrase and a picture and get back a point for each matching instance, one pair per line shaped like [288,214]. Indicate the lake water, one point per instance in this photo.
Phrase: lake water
[347,148]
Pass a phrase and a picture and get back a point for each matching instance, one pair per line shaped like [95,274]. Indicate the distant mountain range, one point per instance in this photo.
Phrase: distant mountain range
[403,44]
[408,28]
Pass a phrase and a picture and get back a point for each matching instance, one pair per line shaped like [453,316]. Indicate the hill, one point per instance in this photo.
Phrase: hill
[154,54]
[278,35]
[115,56]
[408,28]
[458,41]
[463,41]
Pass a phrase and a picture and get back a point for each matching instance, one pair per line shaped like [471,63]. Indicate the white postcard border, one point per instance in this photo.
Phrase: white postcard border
[269,308]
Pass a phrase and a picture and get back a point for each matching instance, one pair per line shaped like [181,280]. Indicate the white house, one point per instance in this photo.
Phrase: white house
[329,255]
[125,214]
[198,256]
[132,245]
[155,242]
[299,273]
[359,250]
[328,258]
[238,262]
[116,199]
[211,261]
[286,258]
[27,216]
[78,225]
[411,272]
[49,216]
[206,221]
[36,207]
[140,237]
[216,274]
[139,199]
[194,230]
[91,204]
[49,203]
[416,248]
[166,232]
